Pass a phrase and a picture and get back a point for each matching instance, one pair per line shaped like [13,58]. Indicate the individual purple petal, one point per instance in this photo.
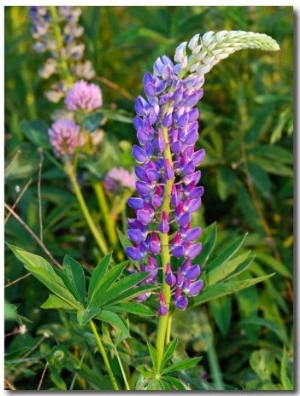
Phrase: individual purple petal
[195,288]
[196,192]
[143,188]
[184,219]
[198,157]
[143,297]
[141,106]
[162,307]
[194,250]
[182,120]
[189,168]
[178,251]
[192,273]
[191,138]
[154,244]
[134,253]
[169,171]
[135,236]
[135,203]
[144,216]
[181,302]
[170,277]
[164,225]
[139,154]
[192,235]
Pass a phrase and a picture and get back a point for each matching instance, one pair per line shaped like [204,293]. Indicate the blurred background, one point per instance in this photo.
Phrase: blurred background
[246,128]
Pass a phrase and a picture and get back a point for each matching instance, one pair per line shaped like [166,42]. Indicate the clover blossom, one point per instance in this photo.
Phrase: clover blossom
[118,178]
[167,186]
[65,137]
[83,96]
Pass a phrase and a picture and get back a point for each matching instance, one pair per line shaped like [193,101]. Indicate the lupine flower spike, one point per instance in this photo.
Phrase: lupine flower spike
[167,185]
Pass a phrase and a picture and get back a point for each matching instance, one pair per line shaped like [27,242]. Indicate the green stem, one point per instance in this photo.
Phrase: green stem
[59,47]
[104,356]
[108,221]
[95,231]
[163,321]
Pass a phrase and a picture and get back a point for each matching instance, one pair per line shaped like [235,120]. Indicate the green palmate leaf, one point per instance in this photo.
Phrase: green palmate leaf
[155,385]
[225,181]
[131,294]
[270,325]
[224,288]
[165,385]
[221,309]
[145,371]
[127,283]
[260,179]
[153,355]
[132,307]
[114,320]
[175,382]
[92,122]
[227,253]
[241,268]
[84,315]
[209,238]
[104,284]
[274,167]
[44,272]
[97,275]
[169,350]
[118,115]
[274,153]
[247,208]
[37,132]
[184,365]
[274,264]
[75,277]
[54,302]
[224,269]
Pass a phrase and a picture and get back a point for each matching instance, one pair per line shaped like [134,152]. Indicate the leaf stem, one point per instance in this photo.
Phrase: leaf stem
[104,356]
[95,231]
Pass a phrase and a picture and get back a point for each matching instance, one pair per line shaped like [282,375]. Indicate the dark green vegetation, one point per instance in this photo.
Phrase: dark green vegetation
[245,337]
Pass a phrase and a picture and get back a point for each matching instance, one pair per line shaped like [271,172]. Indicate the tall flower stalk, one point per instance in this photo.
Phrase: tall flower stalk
[167,186]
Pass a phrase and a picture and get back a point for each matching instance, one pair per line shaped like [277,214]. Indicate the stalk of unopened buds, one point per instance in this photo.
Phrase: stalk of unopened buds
[167,186]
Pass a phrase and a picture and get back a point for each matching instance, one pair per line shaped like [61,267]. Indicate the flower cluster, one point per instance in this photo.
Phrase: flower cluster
[168,191]
[65,20]
[167,130]
[65,137]
[64,131]
[118,178]
[83,96]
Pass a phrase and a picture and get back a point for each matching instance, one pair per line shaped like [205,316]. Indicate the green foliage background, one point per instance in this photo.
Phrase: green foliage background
[246,129]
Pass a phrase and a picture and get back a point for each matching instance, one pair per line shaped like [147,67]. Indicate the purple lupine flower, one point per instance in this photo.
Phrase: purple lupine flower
[118,178]
[65,137]
[168,194]
[83,96]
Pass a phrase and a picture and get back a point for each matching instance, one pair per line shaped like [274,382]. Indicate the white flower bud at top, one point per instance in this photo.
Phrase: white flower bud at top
[180,52]
[216,46]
